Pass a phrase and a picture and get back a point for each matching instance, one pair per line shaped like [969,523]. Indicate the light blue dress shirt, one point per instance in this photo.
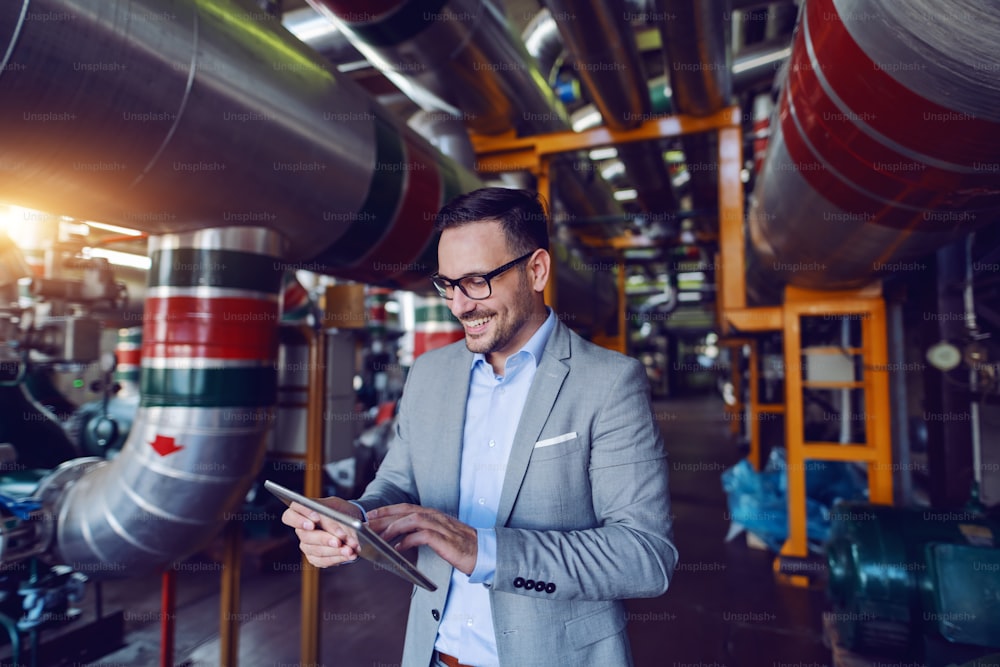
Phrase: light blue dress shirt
[492,413]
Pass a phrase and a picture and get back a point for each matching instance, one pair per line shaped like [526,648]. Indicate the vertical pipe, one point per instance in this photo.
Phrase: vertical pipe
[229,599]
[949,432]
[903,479]
[968,298]
[208,387]
[755,412]
[845,394]
[797,543]
[168,609]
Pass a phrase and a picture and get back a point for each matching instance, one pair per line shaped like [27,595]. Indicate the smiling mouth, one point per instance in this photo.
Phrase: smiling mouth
[478,323]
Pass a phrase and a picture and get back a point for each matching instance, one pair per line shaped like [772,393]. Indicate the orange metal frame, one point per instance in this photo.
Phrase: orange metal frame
[734,315]
[868,306]
[512,153]
[752,411]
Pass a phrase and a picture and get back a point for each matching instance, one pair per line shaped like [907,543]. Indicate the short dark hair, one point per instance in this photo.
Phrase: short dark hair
[520,213]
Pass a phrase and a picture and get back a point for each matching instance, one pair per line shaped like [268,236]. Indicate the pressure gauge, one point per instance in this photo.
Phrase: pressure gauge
[944,356]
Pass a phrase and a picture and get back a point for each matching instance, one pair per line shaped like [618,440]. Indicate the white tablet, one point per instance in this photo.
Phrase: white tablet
[370,546]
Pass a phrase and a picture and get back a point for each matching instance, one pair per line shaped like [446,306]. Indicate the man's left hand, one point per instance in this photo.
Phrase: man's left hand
[451,539]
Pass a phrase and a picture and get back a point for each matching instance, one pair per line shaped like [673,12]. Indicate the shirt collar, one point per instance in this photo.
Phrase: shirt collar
[535,345]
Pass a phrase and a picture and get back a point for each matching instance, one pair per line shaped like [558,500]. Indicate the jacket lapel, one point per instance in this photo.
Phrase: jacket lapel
[549,377]
[448,460]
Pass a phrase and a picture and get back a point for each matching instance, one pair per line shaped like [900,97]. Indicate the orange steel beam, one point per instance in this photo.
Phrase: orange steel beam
[312,487]
[621,242]
[735,346]
[732,266]
[736,377]
[541,171]
[768,318]
[878,430]
[796,543]
[755,407]
[506,153]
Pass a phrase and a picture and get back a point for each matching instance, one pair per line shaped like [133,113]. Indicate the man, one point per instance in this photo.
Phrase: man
[526,467]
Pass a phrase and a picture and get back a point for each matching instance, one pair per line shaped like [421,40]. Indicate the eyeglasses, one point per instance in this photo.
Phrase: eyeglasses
[475,287]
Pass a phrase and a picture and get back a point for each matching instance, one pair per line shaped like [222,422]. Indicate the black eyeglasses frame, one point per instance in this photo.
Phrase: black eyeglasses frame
[441,284]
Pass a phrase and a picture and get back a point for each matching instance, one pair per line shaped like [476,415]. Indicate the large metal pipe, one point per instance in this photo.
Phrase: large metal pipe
[462,57]
[606,57]
[695,43]
[696,47]
[321,35]
[208,387]
[886,144]
[600,40]
[245,126]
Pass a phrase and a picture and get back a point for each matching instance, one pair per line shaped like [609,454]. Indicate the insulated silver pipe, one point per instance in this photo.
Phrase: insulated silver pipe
[208,388]
[463,58]
[696,47]
[885,145]
[605,55]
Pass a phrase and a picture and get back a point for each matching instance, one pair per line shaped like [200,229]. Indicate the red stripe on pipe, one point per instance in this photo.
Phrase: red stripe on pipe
[128,357]
[760,127]
[850,199]
[425,342]
[294,296]
[886,173]
[216,328]
[395,252]
[888,106]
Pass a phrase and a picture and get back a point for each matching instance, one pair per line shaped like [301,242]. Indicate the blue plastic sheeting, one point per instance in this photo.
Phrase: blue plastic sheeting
[758,500]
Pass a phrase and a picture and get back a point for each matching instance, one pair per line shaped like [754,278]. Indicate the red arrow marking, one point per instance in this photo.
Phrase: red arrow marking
[164,445]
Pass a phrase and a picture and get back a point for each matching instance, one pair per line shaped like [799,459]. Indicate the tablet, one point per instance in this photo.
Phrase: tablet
[370,546]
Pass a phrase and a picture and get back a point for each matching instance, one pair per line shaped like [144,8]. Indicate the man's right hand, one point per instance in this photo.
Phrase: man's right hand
[323,541]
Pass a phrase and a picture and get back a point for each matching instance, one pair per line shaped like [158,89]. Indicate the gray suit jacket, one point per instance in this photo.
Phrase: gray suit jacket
[584,510]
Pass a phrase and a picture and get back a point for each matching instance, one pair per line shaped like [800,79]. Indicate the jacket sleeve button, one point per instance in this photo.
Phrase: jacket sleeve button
[519,582]
[550,588]
[529,585]
[436,614]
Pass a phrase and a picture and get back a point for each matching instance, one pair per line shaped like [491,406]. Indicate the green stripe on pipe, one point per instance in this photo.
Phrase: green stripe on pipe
[209,387]
[407,22]
[379,209]
[660,99]
[452,185]
[203,267]
[437,312]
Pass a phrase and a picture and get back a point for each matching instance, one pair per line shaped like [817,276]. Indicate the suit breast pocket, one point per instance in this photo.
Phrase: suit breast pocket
[555,492]
[557,446]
